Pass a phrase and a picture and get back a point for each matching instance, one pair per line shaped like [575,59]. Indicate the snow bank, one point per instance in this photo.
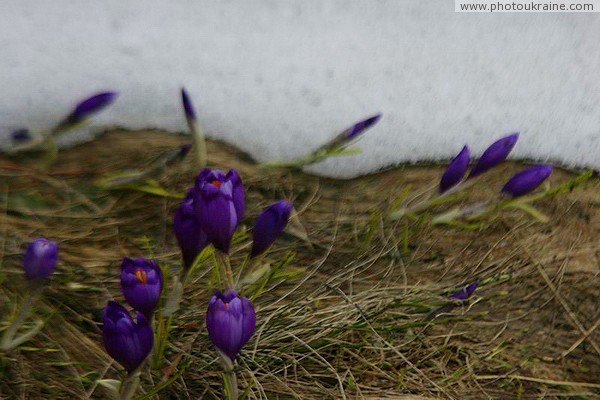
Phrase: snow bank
[278,78]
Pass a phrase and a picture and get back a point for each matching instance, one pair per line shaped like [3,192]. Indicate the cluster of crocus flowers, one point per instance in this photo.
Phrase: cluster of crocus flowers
[496,153]
[520,184]
[39,262]
[457,176]
[126,340]
[209,215]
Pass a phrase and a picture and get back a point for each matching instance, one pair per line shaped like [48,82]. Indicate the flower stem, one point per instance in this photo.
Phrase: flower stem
[130,384]
[200,156]
[224,261]
[8,340]
[229,379]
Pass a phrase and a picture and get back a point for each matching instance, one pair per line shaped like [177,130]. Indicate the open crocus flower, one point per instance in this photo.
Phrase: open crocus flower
[465,292]
[495,154]
[230,321]
[188,231]
[269,225]
[40,259]
[141,283]
[126,341]
[456,170]
[527,180]
[219,205]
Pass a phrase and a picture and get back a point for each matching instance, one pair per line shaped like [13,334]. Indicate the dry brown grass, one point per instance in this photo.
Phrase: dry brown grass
[353,326]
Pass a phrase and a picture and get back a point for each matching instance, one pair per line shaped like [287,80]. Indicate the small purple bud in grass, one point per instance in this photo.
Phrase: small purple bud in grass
[190,236]
[359,127]
[40,259]
[527,180]
[494,154]
[269,225]
[188,106]
[91,106]
[230,321]
[465,292]
[20,136]
[126,341]
[141,284]
[456,170]
[219,205]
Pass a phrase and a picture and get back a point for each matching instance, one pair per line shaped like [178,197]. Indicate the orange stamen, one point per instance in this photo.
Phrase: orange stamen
[141,275]
[216,183]
[226,305]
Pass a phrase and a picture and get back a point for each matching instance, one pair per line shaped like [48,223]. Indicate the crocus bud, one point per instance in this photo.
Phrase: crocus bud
[465,292]
[352,133]
[527,180]
[494,154]
[40,259]
[190,236]
[141,283]
[219,205]
[456,170]
[90,106]
[269,225]
[126,341]
[230,321]
[361,126]
[188,107]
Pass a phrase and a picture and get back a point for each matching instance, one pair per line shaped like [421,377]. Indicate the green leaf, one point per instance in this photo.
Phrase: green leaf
[529,209]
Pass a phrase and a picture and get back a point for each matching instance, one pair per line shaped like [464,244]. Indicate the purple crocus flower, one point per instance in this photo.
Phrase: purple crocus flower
[40,259]
[91,106]
[126,341]
[350,134]
[456,170]
[527,180]
[219,205]
[141,283]
[465,292]
[269,225]
[190,236]
[188,106]
[361,126]
[494,154]
[230,321]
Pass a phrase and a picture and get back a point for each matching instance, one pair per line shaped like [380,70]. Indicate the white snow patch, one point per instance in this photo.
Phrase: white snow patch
[279,78]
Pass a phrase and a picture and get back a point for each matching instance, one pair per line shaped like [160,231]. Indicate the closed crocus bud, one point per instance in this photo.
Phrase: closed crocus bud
[456,170]
[494,154]
[355,130]
[190,236]
[219,205]
[40,259]
[465,292]
[230,321]
[269,225]
[188,106]
[352,133]
[91,105]
[141,283]
[126,341]
[527,180]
